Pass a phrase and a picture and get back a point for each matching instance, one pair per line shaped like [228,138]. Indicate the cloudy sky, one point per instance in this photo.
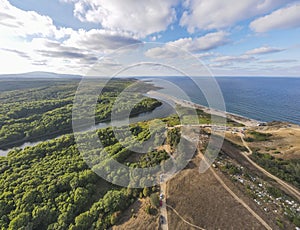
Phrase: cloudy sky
[240,38]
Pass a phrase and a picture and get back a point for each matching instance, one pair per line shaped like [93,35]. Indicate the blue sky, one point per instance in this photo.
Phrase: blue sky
[232,38]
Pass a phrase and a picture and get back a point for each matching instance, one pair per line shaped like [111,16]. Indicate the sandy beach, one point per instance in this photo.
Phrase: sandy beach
[240,119]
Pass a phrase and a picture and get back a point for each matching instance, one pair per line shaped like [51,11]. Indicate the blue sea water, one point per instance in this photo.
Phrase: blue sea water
[259,98]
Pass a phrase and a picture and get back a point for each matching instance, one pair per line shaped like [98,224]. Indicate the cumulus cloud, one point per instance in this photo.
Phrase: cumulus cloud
[263,50]
[283,18]
[207,42]
[84,45]
[101,39]
[32,40]
[23,23]
[45,51]
[216,14]
[141,17]
[204,43]
[162,52]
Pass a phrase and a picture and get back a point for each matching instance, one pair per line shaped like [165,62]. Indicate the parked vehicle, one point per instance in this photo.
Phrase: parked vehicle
[161,196]
[161,219]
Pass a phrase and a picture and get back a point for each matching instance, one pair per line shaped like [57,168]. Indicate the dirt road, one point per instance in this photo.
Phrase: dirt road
[240,200]
[293,191]
[163,209]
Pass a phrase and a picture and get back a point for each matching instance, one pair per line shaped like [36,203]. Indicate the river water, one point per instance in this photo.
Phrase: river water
[162,111]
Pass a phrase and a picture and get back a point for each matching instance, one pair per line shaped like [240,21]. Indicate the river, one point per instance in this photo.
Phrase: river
[162,111]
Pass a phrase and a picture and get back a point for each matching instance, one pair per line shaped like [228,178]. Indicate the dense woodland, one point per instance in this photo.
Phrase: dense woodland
[44,110]
[50,186]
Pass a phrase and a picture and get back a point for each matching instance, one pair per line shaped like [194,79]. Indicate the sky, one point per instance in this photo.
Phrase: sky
[229,38]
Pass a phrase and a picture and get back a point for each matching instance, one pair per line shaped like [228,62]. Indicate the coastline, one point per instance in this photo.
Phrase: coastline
[235,117]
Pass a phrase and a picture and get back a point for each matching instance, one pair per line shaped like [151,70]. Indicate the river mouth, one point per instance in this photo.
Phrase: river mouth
[162,111]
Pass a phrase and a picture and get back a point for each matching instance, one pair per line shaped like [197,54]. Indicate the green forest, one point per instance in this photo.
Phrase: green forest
[44,110]
[49,185]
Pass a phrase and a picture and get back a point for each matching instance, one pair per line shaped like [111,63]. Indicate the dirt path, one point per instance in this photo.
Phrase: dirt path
[163,208]
[293,191]
[240,200]
[236,197]
[164,212]
[195,226]
[245,144]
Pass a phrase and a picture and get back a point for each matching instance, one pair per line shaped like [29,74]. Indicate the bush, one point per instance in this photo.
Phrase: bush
[296,221]
[154,199]
[257,136]
[274,192]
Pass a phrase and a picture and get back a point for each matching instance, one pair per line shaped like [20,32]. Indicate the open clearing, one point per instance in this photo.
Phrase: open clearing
[283,143]
[139,219]
[202,200]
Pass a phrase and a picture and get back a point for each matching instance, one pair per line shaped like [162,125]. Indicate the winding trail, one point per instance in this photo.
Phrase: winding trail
[185,221]
[233,195]
[293,191]
[239,200]
[245,144]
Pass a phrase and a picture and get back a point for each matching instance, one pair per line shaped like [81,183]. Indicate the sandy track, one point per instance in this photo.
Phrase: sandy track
[293,191]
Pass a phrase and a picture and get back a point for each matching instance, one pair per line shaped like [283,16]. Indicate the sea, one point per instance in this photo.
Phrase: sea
[261,98]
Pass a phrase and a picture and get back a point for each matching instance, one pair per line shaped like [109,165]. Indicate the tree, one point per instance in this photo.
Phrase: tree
[80,197]
[41,217]
[154,199]
[20,221]
[84,221]
[146,191]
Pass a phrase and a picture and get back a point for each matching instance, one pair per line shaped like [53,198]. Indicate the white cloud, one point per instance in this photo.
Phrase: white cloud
[100,39]
[218,65]
[230,59]
[204,43]
[23,23]
[205,55]
[216,14]
[279,61]
[263,50]
[141,17]
[285,18]
[33,42]
[194,45]
[162,52]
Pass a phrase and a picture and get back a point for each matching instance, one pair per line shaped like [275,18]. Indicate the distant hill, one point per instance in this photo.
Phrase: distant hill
[40,75]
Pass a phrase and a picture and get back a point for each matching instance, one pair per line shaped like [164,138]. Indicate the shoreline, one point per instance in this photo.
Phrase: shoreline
[249,122]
